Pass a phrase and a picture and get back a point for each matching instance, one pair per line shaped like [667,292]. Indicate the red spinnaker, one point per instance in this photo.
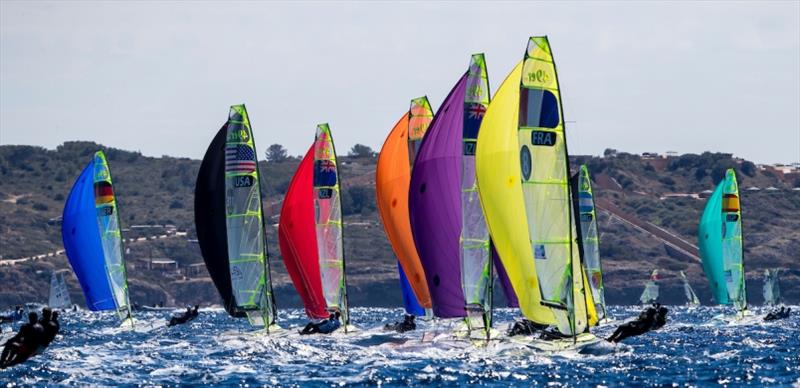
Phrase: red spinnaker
[298,239]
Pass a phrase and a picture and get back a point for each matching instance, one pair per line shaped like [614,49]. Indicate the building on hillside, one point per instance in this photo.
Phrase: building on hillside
[195,270]
[680,195]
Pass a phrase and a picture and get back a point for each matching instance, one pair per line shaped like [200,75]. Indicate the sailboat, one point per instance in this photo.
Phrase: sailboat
[650,293]
[392,179]
[523,181]
[587,214]
[691,297]
[720,242]
[310,232]
[59,293]
[447,223]
[230,222]
[93,240]
[772,290]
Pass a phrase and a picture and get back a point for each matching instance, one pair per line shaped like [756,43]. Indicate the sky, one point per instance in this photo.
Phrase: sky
[159,77]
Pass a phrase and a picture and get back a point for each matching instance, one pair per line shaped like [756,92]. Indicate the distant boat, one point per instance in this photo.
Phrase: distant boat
[447,223]
[587,214]
[93,240]
[230,226]
[59,293]
[650,293]
[772,290]
[310,232]
[691,297]
[392,180]
[523,179]
[720,242]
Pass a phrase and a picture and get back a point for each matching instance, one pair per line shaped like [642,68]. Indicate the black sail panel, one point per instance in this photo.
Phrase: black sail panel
[209,219]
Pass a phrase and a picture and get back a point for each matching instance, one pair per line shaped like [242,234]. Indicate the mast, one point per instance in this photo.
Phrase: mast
[542,128]
[475,245]
[583,198]
[93,239]
[270,305]
[111,235]
[392,180]
[720,242]
[329,226]
[230,228]
[434,201]
[297,238]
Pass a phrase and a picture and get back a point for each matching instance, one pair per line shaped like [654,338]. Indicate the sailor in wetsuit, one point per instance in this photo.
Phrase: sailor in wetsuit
[401,327]
[525,327]
[325,327]
[652,318]
[50,326]
[776,314]
[22,346]
[185,317]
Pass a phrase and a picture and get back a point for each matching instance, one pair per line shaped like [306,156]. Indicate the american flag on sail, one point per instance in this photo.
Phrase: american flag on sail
[240,158]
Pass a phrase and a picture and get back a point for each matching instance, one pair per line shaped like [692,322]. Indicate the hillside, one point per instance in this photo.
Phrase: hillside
[156,199]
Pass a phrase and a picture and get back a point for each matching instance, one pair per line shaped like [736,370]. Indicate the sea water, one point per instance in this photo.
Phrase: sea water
[217,349]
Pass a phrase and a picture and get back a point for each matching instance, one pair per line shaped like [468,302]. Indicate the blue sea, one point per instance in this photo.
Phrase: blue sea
[217,349]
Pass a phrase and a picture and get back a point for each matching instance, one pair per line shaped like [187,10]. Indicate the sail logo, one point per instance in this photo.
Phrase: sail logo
[238,135]
[539,252]
[475,91]
[539,76]
[543,138]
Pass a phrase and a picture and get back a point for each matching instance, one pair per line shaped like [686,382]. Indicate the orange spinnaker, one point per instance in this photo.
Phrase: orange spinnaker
[392,180]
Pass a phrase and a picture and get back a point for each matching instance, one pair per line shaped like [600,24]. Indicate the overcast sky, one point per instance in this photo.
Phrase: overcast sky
[159,76]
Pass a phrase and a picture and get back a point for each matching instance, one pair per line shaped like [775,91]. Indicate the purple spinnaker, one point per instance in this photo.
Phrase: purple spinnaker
[508,290]
[434,205]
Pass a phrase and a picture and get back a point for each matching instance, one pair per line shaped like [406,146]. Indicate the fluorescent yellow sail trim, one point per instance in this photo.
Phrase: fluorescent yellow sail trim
[499,179]
[591,310]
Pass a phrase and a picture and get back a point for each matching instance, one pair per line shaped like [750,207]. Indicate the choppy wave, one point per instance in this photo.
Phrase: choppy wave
[216,349]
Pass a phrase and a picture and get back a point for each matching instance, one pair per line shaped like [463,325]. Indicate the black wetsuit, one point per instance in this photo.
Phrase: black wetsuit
[651,319]
[186,317]
[325,327]
[51,328]
[23,345]
[401,327]
[525,327]
[778,314]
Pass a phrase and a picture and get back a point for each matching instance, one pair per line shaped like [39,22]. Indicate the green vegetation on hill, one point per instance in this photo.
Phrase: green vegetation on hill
[34,183]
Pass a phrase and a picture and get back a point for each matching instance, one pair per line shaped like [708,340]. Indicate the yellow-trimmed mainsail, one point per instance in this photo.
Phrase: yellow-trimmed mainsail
[328,218]
[247,247]
[522,164]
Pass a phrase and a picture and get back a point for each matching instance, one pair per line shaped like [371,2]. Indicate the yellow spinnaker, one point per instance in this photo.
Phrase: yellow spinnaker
[500,189]
[556,296]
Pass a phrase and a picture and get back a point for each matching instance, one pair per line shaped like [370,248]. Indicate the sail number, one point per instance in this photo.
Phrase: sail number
[539,76]
[243,181]
[543,138]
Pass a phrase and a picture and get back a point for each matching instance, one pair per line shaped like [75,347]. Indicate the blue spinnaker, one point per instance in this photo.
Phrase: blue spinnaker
[83,245]
[409,299]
